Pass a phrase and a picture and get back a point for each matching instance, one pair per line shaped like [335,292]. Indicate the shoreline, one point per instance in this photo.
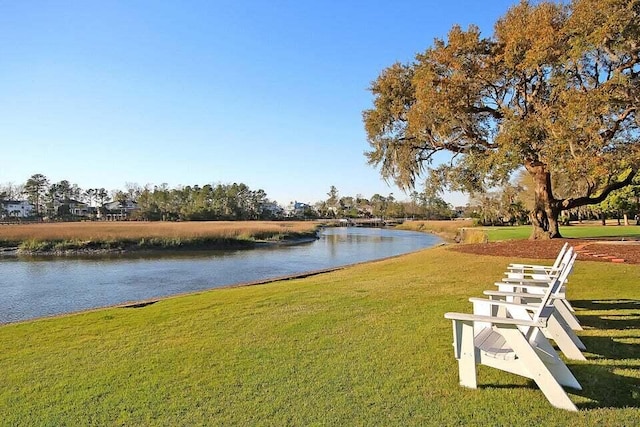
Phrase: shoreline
[151,301]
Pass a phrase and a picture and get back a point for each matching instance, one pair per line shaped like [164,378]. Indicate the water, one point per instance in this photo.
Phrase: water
[35,288]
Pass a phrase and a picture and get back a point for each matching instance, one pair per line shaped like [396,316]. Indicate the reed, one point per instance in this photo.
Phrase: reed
[447,229]
[136,230]
[110,235]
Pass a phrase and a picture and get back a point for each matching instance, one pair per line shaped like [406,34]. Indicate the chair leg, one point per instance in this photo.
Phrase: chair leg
[467,355]
[563,375]
[567,314]
[554,363]
[569,306]
[564,339]
[570,331]
[537,369]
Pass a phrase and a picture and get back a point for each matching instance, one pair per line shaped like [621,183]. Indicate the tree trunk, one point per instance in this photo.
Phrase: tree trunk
[546,211]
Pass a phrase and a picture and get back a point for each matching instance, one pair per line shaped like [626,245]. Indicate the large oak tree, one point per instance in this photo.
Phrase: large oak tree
[555,90]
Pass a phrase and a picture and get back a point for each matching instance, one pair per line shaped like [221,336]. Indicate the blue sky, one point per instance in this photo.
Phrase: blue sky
[268,93]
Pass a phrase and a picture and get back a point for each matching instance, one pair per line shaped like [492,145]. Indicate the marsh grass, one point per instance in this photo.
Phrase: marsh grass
[366,345]
[447,229]
[146,235]
[472,235]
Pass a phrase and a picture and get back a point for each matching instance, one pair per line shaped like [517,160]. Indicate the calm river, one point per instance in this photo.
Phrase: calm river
[34,288]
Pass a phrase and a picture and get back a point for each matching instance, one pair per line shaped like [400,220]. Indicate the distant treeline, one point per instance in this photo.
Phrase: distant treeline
[210,202]
[67,201]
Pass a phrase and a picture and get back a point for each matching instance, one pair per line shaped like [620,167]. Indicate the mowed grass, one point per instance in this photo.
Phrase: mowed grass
[366,345]
[572,231]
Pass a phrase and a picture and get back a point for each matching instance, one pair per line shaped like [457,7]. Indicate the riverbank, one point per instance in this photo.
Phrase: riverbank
[107,238]
[362,345]
[450,231]
[41,286]
[101,238]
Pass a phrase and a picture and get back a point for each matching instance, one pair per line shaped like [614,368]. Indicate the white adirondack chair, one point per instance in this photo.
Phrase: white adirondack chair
[519,288]
[524,308]
[539,272]
[543,269]
[513,345]
[537,275]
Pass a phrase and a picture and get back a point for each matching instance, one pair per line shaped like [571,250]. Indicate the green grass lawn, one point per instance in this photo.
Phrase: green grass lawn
[367,345]
[572,231]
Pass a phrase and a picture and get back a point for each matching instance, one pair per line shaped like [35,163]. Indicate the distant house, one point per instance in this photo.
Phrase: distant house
[272,210]
[78,208]
[298,209]
[461,212]
[365,211]
[116,211]
[16,209]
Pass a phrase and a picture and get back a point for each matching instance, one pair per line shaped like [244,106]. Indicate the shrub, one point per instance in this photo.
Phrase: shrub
[467,235]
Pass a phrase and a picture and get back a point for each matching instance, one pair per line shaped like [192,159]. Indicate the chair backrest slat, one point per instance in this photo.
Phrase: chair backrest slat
[561,254]
[557,282]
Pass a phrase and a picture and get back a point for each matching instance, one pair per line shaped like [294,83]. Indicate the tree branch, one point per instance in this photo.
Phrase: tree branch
[496,114]
[608,134]
[582,201]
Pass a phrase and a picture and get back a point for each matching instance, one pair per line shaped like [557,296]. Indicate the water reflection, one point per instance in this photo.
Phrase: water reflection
[33,288]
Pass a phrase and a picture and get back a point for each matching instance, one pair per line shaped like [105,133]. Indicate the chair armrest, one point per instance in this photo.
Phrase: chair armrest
[513,294]
[542,285]
[506,304]
[530,275]
[530,271]
[534,267]
[531,281]
[529,266]
[466,317]
[522,295]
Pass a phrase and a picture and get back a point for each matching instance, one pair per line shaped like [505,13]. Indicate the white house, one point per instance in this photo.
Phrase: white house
[16,209]
[115,211]
[78,208]
[272,209]
[297,209]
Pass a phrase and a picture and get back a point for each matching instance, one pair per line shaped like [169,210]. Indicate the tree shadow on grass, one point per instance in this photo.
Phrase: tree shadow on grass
[605,388]
[617,304]
[602,378]
[613,348]
[619,314]
[617,322]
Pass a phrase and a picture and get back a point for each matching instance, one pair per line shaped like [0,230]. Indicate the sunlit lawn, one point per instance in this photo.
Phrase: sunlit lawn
[572,231]
[367,345]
